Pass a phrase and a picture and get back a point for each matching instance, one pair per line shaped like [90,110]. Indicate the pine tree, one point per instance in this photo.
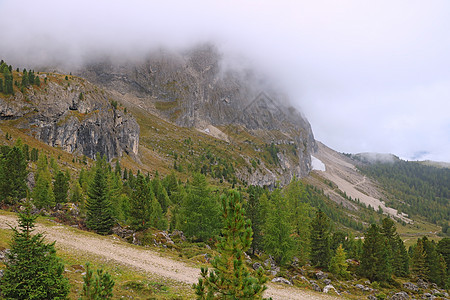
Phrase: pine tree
[277,239]
[200,212]
[230,278]
[33,271]
[140,204]
[157,218]
[418,261]
[442,273]
[320,244]
[253,209]
[397,255]
[98,286]
[160,193]
[43,195]
[25,82]
[299,215]
[98,207]
[61,187]
[374,259]
[13,174]
[338,264]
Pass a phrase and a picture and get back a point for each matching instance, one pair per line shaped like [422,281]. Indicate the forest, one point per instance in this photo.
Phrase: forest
[287,224]
[414,188]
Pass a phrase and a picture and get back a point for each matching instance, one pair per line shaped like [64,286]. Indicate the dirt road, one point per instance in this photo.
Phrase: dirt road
[70,239]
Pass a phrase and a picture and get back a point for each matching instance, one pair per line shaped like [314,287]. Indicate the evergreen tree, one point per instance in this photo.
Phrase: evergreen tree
[443,247]
[61,187]
[37,81]
[253,209]
[418,261]
[33,271]
[431,259]
[157,218]
[320,244]
[442,273]
[397,255]
[25,82]
[230,278]
[98,207]
[160,193]
[277,238]
[140,204]
[338,264]
[200,212]
[13,175]
[43,195]
[98,286]
[115,186]
[299,215]
[374,259]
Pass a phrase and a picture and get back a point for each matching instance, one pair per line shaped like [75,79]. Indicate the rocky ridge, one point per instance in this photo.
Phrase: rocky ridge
[194,89]
[74,115]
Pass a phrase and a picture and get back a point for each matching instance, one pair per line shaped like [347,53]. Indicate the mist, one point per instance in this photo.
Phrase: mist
[369,76]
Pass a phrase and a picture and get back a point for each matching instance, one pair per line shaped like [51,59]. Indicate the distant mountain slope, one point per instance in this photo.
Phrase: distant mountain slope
[413,187]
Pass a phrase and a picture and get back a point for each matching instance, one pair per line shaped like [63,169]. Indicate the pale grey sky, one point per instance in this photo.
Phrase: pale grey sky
[369,75]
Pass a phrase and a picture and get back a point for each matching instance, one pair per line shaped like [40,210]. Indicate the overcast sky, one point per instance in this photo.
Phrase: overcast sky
[371,76]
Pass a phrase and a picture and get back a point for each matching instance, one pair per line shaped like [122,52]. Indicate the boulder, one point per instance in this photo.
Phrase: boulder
[422,284]
[177,235]
[327,281]
[256,266]
[329,288]
[316,287]
[411,286]
[321,275]
[281,280]
[400,296]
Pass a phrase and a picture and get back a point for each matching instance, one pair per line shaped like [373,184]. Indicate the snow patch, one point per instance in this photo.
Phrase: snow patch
[317,164]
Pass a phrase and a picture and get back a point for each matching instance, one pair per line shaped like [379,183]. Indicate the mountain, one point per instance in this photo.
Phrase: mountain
[195,90]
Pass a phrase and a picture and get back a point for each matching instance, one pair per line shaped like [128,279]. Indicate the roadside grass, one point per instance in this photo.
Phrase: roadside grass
[130,283]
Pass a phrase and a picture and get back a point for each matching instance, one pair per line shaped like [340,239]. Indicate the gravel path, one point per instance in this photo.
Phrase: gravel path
[149,261]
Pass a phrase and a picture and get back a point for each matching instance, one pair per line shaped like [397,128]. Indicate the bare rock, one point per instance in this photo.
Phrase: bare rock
[316,287]
[411,286]
[422,284]
[282,280]
[321,275]
[400,296]
[328,288]
[256,266]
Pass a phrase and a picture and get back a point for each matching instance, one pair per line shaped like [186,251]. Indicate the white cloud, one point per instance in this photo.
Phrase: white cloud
[369,75]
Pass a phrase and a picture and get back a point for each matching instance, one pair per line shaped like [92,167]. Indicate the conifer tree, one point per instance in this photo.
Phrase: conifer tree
[43,195]
[338,264]
[374,259]
[98,207]
[160,193]
[140,204]
[200,211]
[33,271]
[299,215]
[61,187]
[230,278]
[320,244]
[25,82]
[277,230]
[442,273]
[97,286]
[418,261]
[431,259]
[13,174]
[157,218]
[253,210]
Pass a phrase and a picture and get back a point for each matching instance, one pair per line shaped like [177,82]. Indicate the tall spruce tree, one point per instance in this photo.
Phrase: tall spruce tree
[99,216]
[320,240]
[230,277]
[140,204]
[33,271]
[338,263]
[253,209]
[418,261]
[13,174]
[375,263]
[61,187]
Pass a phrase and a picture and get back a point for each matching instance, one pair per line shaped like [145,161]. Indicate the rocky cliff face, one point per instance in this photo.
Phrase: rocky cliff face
[74,115]
[194,90]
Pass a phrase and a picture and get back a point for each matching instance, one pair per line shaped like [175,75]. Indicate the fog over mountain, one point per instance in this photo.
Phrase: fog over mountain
[369,76]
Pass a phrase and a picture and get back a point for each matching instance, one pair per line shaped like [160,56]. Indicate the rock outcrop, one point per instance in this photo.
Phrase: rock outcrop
[194,89]
[75,116]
